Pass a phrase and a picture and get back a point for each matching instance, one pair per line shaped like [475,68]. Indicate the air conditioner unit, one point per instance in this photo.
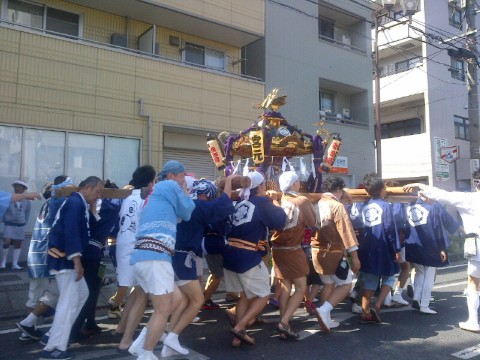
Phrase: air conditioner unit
[119,40]
[347,41]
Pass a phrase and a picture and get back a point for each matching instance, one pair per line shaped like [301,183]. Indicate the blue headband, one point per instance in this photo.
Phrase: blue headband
[171,167]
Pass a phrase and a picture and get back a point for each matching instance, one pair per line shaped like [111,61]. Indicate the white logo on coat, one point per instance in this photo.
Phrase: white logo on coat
[372,214]
[243,213]
[324,214]
[292,212]
[417,215]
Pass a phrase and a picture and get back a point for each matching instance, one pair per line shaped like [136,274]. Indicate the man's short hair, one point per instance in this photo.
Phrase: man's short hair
[142,176]
[373,184]
[90,181]
[332,183]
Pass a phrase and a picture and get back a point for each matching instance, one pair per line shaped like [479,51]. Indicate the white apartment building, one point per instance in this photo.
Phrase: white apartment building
[423,95]
[319,54]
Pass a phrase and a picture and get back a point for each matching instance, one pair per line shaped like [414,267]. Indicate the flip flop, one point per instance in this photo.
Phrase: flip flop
[243,335]
[375,315]
[231,318]
[287,330]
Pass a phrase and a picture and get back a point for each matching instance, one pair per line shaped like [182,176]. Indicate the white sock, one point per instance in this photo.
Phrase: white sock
[398,290]
[16,255]
[137,345]
[30,320]
[3,263]
[172,341]
[167,351]
[327,306]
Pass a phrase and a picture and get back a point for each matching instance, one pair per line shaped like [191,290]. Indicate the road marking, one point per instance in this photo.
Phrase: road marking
[468,353]
[450,284]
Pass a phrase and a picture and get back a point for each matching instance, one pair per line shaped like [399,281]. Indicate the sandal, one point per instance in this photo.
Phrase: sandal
[375,315]
[287,330]
[231,317]
[243,335]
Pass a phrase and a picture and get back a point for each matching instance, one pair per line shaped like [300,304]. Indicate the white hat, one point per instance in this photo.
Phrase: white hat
[287,179]
[20,182]
[255,180]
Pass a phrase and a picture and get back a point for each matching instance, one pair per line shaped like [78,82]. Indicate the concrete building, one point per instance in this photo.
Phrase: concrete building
[319,54]
[93,87]
[424,100]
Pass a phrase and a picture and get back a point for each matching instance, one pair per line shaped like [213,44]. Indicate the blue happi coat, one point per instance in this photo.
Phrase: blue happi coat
[427,235]
[70,232]
[190,233]
[379,242]
[250,222]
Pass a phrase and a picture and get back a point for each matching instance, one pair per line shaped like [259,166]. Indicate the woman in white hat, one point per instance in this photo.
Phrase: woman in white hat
[15,219]
[290,262]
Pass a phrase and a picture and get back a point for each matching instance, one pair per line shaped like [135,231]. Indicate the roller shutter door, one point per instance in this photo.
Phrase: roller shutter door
[198,162]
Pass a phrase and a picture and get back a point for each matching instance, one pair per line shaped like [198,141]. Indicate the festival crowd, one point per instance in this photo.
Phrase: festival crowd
[311,245]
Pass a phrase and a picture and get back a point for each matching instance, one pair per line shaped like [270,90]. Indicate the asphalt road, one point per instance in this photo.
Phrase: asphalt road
[404,334]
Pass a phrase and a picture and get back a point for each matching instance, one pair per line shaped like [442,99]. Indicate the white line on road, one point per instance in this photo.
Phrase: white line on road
[469,353]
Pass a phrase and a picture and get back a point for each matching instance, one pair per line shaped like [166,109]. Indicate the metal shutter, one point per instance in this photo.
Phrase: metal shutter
[198,162]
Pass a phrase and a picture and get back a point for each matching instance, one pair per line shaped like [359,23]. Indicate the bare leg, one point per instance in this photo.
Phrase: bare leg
[284,296]
[194,296]
[162,307]
[384,290]
[294,301]
[137,302]
[211,286]
[366,299]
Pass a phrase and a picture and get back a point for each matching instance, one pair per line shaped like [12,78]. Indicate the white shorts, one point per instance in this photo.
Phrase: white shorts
[125,271]
[156,277]
[333,279]
[473,268]
[254,282]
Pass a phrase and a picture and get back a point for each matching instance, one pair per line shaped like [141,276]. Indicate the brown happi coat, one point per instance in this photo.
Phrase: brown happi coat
[335,234]
[290,261]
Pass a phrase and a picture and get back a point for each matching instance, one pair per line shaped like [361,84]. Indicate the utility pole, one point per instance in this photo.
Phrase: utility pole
[472,85]
[376,77]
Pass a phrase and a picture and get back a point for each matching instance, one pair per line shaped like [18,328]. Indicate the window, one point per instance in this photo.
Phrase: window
[10,155]
[43,17]
[407,64]
[457,69]
[402,128]
[327,101]
[204,56]
[121,158]
[454,16]
[63,22]
[327,29]
[462,127]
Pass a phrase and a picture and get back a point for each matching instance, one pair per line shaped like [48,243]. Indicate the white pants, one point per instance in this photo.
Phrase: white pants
[35,290]
[423,284]
[72,297]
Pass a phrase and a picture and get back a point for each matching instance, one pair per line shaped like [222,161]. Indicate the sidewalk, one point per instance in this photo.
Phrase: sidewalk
[14,292]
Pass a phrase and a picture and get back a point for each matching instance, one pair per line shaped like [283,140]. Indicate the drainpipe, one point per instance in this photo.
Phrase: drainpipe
[149,129]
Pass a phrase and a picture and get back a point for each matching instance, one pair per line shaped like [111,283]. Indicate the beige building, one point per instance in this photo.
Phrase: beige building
[93,87]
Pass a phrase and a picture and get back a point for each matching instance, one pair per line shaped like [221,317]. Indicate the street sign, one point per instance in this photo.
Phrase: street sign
[449,153]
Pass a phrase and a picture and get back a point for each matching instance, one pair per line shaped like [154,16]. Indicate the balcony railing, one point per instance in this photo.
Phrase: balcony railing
[127,50]
[340,119]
